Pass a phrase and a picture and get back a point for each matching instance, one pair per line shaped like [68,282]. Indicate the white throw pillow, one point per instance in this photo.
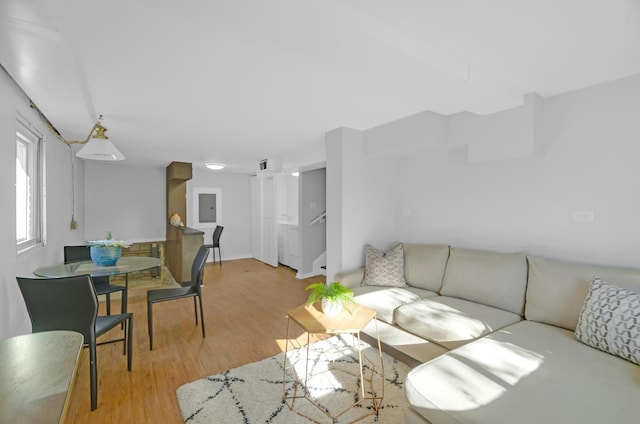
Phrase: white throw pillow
[384,269]
[610,320]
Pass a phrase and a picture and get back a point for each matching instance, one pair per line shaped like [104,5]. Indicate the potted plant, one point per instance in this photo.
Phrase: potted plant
[332,296]
[106,252]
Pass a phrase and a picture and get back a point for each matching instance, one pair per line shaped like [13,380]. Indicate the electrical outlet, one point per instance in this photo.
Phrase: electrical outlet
[583,216]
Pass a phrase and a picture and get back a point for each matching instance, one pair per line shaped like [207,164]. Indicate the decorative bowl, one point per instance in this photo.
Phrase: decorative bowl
[105,255]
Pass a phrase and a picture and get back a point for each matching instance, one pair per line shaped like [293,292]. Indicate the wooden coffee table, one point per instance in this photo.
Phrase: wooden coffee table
[314,322]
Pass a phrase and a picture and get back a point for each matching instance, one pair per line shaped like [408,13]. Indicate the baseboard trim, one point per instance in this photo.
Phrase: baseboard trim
[229,258]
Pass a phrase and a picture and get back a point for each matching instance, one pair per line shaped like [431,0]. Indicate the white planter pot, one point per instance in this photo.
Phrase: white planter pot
[331,308]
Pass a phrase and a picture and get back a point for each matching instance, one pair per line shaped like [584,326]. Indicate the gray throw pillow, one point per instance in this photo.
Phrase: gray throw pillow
[384,269]
[610,320]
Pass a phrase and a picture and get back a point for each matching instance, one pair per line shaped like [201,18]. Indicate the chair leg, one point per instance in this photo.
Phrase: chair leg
[93,374]
[220,255]
[123,301]
[129,339]
[150,323]
[195,309]
[124,338]
[201,314]
[108,303]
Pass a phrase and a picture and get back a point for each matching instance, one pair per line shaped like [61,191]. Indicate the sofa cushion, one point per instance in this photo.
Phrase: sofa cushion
[525,373]
[385,300]
[421,293]
[557,289]
[384,269]
[451,322]
[610,320]
[351,278]
[407,347]
[424,265]
[491,278]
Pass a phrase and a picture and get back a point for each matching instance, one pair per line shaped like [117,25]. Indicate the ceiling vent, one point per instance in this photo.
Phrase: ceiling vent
[267,166]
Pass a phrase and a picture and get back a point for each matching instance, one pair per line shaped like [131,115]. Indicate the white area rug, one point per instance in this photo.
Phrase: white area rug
[254,393]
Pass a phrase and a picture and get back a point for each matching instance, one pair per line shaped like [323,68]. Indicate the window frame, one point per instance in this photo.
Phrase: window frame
[30,140]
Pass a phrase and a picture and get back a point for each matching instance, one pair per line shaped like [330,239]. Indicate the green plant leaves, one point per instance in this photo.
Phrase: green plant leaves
[333,291]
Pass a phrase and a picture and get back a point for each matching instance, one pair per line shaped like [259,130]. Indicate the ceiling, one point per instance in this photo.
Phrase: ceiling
[238,81]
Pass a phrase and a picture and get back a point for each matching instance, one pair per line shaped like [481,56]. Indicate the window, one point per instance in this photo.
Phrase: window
[30,187]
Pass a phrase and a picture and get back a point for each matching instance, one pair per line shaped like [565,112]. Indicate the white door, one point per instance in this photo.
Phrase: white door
[269,221]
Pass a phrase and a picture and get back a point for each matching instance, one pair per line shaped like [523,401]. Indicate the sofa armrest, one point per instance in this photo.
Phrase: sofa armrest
[351,279]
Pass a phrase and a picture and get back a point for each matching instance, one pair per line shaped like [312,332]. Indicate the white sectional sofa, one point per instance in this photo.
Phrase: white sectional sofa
[492,336]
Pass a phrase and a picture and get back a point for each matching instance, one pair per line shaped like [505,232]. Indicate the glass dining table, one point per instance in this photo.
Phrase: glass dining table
[124,266]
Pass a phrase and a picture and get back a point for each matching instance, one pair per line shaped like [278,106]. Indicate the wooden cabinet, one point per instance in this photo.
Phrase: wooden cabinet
[182,246]
[182,242]
[177,173]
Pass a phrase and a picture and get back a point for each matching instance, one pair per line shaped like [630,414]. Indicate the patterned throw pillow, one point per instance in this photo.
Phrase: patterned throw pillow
[384,269]
[610,320]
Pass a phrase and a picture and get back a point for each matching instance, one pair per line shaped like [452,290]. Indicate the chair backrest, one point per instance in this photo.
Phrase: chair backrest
[68,303]
[79,254]
[216,235]
[76,254]
[198,267]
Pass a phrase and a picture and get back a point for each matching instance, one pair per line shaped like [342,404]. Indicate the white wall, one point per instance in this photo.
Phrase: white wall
[590,162]
[129,201]
[14,319]
[361,199]
[508,134]
[334,174]
[235,242]
[507,181]
[421,131]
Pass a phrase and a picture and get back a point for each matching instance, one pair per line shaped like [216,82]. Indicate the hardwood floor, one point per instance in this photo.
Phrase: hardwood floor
[245,307]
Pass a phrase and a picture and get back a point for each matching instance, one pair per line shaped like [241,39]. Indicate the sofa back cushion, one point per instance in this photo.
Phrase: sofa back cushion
[491,278]
[351,278]
[424,265]
[557,289]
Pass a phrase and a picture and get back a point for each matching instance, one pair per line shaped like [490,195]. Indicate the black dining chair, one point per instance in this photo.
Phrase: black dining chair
[216,243]
[71,303]
[189,289]
[102,284]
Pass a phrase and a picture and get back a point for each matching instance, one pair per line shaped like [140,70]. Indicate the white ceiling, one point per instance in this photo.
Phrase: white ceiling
[238,81]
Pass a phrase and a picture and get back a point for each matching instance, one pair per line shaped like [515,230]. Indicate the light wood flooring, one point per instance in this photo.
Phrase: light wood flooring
[245,307]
